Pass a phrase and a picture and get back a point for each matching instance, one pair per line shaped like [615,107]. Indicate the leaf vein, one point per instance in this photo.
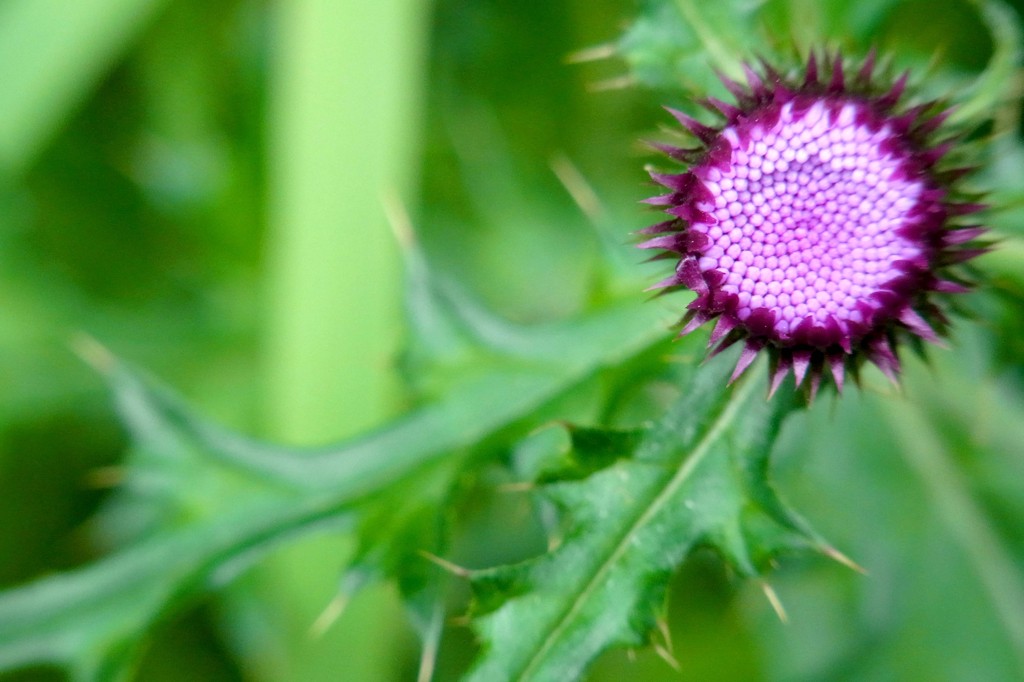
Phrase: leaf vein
[682,475]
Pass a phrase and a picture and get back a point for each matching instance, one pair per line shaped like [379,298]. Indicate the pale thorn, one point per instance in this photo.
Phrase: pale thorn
[578,188]
[93,353]
[667,656]
[666,633]
[398,219]
[427,664]
[454,569]
[617,83]
[776,603]
[329,616]
[837,556]
[428,660]
[592,54]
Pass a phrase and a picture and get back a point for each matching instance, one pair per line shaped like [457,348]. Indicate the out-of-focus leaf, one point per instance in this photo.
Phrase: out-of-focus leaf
[678,42]
[675,43]
[997,87]
[51,53]
[696,478]
[925,491]
[206,500]
[397,531]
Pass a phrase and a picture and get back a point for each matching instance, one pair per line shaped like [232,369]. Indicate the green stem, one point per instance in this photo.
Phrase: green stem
[344,104]
[342,124]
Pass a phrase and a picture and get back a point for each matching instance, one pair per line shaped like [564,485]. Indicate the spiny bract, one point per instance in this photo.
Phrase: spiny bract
[815,222]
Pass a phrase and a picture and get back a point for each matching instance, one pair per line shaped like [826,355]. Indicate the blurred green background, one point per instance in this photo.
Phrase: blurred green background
[211,190]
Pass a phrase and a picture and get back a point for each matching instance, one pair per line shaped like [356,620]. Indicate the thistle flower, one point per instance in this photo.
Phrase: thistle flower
[818,222]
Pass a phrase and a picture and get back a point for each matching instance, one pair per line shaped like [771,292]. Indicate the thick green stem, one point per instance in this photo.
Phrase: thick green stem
[344,103]
[344,98]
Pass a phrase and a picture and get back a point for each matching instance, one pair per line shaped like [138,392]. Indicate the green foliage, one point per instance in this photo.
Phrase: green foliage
[696,478]
[145,145]
[48,66]
[945,493]
[207,501]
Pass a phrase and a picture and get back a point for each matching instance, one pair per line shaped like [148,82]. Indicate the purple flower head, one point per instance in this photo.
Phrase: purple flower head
[816,222]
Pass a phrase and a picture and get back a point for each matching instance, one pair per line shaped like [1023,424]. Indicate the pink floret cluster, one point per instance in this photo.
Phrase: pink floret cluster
[813,222]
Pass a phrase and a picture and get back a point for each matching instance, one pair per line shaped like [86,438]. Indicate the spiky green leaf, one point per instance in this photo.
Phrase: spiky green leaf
[205,501]
[698,477]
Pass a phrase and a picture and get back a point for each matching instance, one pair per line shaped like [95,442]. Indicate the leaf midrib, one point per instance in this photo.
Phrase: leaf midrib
[682,475]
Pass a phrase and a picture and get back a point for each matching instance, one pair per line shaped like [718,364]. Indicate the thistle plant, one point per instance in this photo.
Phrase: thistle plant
[573,485]
[816,222]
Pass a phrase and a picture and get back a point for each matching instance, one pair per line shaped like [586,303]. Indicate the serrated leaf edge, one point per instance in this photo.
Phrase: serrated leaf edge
[718,427]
